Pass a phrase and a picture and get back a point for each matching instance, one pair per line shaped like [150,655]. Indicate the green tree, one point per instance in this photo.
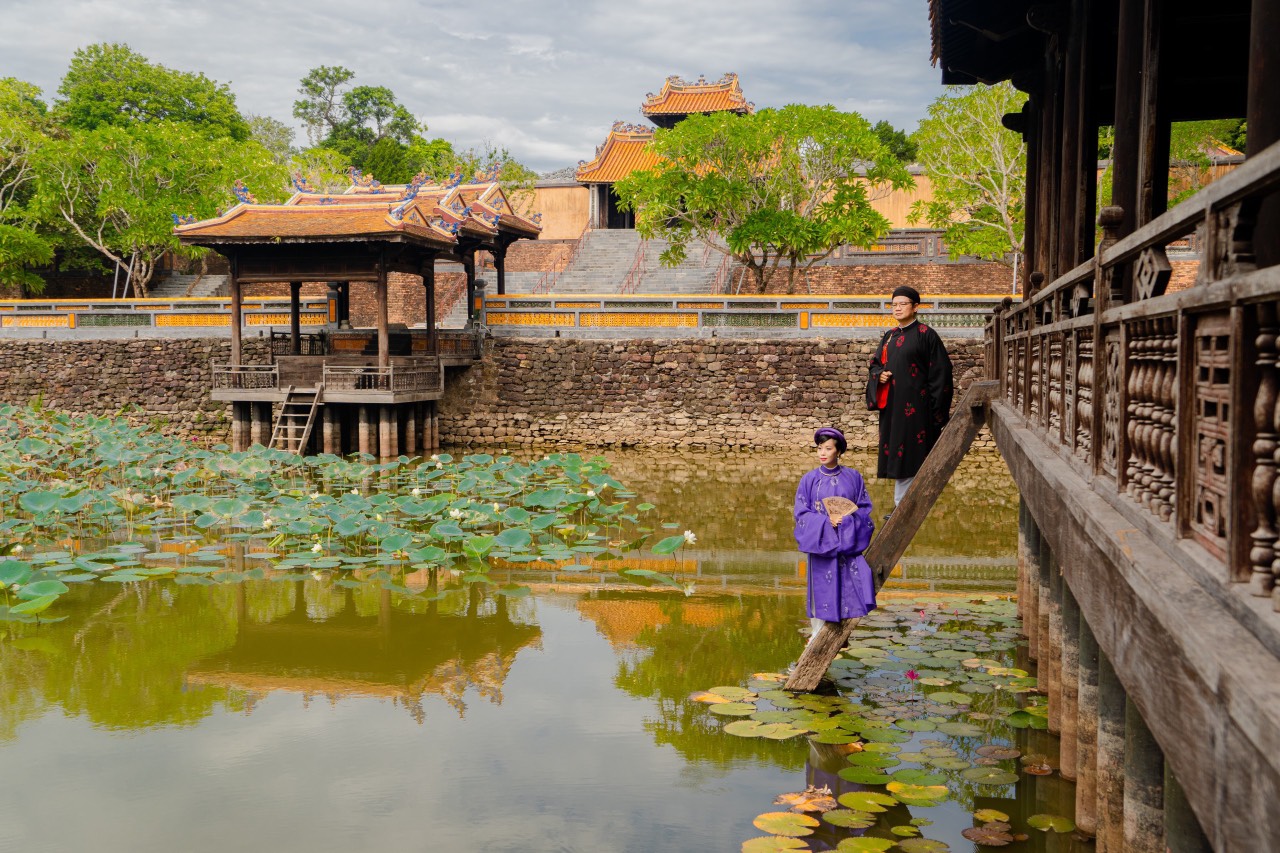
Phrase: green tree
[110,84]
[978,169]
[24,125]
[781,185]
[897,141]
[321,107]
[116,188]
[273,135]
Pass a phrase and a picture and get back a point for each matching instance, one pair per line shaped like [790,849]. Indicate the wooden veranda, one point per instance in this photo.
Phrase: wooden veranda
[342,389]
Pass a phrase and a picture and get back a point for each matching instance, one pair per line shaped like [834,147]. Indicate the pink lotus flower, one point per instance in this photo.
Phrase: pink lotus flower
[912,675]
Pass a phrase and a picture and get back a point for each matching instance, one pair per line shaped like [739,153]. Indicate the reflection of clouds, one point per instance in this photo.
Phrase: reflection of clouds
[592,64]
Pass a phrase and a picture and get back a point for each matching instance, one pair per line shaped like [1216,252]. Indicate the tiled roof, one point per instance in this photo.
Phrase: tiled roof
[622,153]
[680,97]
[290,222]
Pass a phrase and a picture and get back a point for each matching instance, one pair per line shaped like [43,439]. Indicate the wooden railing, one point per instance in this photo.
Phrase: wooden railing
[245,377]
[421,375]
[459,343]
[308,344]
[1167,402]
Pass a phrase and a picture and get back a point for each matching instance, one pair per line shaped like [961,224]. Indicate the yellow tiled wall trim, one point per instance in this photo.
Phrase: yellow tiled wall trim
[577,304]
[47,321]
[283,319]
[540,318]
[193,319]
[619,318]
[851,321]
[703,305]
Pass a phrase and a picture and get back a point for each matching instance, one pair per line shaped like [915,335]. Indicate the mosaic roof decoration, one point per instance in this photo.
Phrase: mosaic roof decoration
[242,193]
[183,220]
[681,97]
[361,182]
[301,183]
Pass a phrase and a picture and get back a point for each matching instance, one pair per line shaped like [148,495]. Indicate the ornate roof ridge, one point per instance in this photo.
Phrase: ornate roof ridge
[729,85]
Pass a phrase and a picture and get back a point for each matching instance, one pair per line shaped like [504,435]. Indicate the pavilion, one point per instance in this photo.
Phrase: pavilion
[624,149]
[375,389]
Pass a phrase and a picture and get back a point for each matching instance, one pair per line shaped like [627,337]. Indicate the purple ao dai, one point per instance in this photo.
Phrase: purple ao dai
[841,585]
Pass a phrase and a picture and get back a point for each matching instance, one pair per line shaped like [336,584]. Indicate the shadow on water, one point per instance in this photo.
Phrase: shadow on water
[320,715]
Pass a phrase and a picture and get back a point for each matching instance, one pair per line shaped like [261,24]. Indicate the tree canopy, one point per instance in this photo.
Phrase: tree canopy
[978,169]
[779,186]
[110,84]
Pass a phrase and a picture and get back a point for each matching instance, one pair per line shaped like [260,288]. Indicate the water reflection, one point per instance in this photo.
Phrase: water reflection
[567,711]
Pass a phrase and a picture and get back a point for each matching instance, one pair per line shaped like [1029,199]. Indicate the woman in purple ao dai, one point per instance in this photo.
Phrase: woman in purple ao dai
[841,585]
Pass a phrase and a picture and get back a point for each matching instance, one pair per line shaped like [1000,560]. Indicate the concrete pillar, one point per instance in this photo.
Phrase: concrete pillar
[366,432]
[1087,731]
[260,423]
[435,424]
[1070,619]
[332,435]
[387,432]
[1111,703]
[1050,637]
[1182,831]
[240,426]
[1143,785]
[411,429]
[1032,625]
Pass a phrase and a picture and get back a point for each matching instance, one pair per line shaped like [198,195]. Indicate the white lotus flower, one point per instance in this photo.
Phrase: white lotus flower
[416,491]
[455,513]
[317,576]
[267,522]
[378,517]
[317,548]
[439,465]
[17,549]
[435,458]
[355,491]
[690,537]
[496,507]
[591,493]
[315,496]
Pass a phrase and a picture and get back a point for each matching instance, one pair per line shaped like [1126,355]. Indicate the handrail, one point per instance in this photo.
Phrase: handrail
[632,279]
[549,278]
[242,377]
[720,282]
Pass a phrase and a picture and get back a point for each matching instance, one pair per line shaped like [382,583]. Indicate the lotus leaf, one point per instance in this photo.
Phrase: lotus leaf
[34,605]
[917,794]
[989,815]
[871,759]
[789,824]
[865,844]
[1000,753]
[863,775]
[733,709]
[773,844]
[923,845]
[812,799]
[906,831]
[14,572]
[849,819]
[916,776]
[1047,822]
[989,776]
[987,836]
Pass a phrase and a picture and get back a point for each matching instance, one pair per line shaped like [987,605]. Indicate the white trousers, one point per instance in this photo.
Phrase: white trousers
[900,487]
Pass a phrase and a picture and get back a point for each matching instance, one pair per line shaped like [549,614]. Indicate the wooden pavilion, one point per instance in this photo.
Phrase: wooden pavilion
[374,390]
[624,150]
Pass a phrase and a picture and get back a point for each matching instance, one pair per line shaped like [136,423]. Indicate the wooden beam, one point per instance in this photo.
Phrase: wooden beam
[1153,128]
[888,547]
[295,318]
[429,286]
[1128,115]
[1263,115]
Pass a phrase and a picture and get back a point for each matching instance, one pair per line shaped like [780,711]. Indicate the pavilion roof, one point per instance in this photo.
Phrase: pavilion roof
[622,152]
[681,97]
[430,213]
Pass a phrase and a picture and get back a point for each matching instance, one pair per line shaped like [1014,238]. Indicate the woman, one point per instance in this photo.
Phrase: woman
[841,585]
[910,384]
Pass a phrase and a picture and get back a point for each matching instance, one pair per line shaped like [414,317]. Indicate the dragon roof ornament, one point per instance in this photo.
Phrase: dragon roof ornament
[363,182]
[242,193]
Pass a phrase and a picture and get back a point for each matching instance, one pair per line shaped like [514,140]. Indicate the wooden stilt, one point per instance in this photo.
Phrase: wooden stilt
[1087,730]
[1111,702]
[1043,606]
[1053,658]
[239,426]
[1182,831]
[1143,785]
[332,436]
[259,423]
[386,432]
[435,425]
[1031,625]
[411,429]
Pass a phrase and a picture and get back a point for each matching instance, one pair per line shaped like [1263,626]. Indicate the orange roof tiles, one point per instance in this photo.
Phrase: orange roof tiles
[250,222]
[622,153]
[680,97]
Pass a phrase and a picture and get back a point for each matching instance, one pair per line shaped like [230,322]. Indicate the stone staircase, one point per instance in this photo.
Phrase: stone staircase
[177,286]
[602,263]
[696,275]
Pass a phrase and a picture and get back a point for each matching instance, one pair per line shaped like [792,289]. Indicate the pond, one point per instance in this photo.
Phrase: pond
[529,708]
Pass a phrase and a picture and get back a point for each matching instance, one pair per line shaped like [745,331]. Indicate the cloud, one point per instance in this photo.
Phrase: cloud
[544,80]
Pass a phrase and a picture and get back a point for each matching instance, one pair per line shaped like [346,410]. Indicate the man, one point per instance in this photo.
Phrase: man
[910,385]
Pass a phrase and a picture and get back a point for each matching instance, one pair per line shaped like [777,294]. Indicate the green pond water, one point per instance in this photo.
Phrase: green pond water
[442,714]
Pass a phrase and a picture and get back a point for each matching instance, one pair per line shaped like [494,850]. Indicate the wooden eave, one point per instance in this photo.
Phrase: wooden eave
[624,151]
[681,98]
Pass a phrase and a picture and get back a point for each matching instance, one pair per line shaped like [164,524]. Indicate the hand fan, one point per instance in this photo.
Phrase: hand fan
[838,507]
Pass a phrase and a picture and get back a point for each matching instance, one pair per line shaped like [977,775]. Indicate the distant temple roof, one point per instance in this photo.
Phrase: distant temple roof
[680,98]
[621,153]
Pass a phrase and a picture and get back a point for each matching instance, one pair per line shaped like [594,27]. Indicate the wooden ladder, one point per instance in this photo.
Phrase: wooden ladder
[297,418]
[888,547]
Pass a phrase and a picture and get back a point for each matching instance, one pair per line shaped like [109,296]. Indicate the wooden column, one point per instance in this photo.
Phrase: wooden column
[384,336]
[1071,171]
[1031,112]
[344,304]
[1143,785]
[469,267]
[366,432]
[1087,731]
[1067,754]
[259,423]
[429,288]
[500,266]
[1263,114]
[1111,703]
[1153,127]
[295,317]
[435,424]
[237,309]
[1128,120]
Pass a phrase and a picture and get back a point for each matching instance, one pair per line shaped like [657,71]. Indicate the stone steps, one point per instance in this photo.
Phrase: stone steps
[183,286]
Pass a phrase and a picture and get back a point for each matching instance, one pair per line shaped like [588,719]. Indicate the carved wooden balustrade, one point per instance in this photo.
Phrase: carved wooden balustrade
[1166,402]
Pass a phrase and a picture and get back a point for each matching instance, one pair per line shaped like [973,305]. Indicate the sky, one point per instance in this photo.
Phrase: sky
[543,79]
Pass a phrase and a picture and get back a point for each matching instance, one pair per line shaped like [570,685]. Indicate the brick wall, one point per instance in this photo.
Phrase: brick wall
[930,278]
[406,301]
[538,255]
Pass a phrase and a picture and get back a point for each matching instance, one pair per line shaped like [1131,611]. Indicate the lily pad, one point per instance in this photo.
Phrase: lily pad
[988,815]
[866,801]
[789,824]
[773,844]
[989,776]
[923,845]
[1047,822]
[987,836]
[865,844]
[733,709]
[850,819]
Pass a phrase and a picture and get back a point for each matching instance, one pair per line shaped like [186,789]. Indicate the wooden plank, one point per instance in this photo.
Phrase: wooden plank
[888,547]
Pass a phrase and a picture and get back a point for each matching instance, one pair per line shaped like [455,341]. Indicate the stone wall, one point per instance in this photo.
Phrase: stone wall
[698,393]
[164,381]
[929,277]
